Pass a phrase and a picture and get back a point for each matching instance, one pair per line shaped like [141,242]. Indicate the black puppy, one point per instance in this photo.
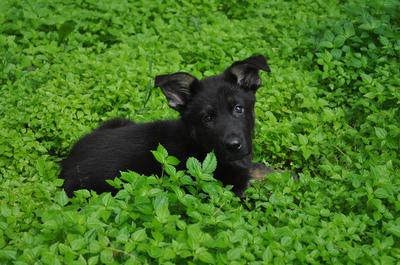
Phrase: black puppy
[217,113]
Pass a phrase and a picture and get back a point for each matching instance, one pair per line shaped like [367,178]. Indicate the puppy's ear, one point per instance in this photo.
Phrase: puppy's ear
[245,73]
[176,87]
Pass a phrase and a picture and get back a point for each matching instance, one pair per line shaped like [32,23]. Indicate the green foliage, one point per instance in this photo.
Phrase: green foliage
[329,111]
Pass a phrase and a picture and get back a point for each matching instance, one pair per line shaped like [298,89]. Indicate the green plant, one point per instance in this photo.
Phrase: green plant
[329,110]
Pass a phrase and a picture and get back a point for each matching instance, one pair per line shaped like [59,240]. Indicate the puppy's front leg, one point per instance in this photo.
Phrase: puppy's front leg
[259,171]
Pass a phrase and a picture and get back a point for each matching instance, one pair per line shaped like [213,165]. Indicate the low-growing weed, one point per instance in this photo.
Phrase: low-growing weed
[329,111]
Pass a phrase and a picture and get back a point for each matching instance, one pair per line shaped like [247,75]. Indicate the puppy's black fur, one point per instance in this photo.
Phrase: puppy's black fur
[217,113]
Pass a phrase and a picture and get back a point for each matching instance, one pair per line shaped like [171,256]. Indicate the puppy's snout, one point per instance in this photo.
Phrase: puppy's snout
[233,144]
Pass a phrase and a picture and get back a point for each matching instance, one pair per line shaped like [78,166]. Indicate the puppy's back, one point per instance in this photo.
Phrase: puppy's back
[119,146]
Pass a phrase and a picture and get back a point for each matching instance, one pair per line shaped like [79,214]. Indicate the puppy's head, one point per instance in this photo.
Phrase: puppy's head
[218,110]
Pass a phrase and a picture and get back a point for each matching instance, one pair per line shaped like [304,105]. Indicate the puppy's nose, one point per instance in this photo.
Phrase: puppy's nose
[233,144]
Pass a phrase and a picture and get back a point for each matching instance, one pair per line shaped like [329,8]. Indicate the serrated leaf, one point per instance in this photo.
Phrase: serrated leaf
[194,234]
[139,235]
[106,199]
[209,187]
[94,246]
[162,151]
[234,254]
[302,139]
[173,160]
[170,170]
[161,207]
[349,29]
[210,163]
[366,77]
[382,193]
[267,255]
[194,166]
[159,157]
[78,244]
[339,41]
[380,133]
[329,36]
[336,53]
[384,40]
[286,241]
[82,194]
[355,62]
[129,177]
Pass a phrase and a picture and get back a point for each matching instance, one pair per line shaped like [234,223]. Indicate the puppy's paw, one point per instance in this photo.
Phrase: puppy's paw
[259,171]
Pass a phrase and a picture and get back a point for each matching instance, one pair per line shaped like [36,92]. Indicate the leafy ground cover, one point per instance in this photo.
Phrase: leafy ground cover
[329,111]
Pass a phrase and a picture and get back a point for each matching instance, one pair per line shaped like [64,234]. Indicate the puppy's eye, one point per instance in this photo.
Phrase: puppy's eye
[208,118]
[238,109]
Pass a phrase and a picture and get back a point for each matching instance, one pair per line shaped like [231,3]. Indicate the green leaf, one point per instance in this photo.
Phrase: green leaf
[210,188]
[326,44]
[94,246]
[106,199]
[143,205]
[369,25]
[302,139]
[8,254]
[354,253]
[382,193]
[355,62]
[366,77]
[336,53]
[339,41]
[307,152]
[93,260]
[194,166]
[65,30]
[394,229]
[235,253]
[286,241]
[78,244]
[158,157]
[173,160]
[324,212]
[329,36]
[194,234]
[267,255]
[349,29]
[106,256]
[209,163]
[139,235]
[380,133]
[149,92]
[205,257]
[161,155]
[161,150]
[61,198]
[171,171]
[384,40]
[161,207]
